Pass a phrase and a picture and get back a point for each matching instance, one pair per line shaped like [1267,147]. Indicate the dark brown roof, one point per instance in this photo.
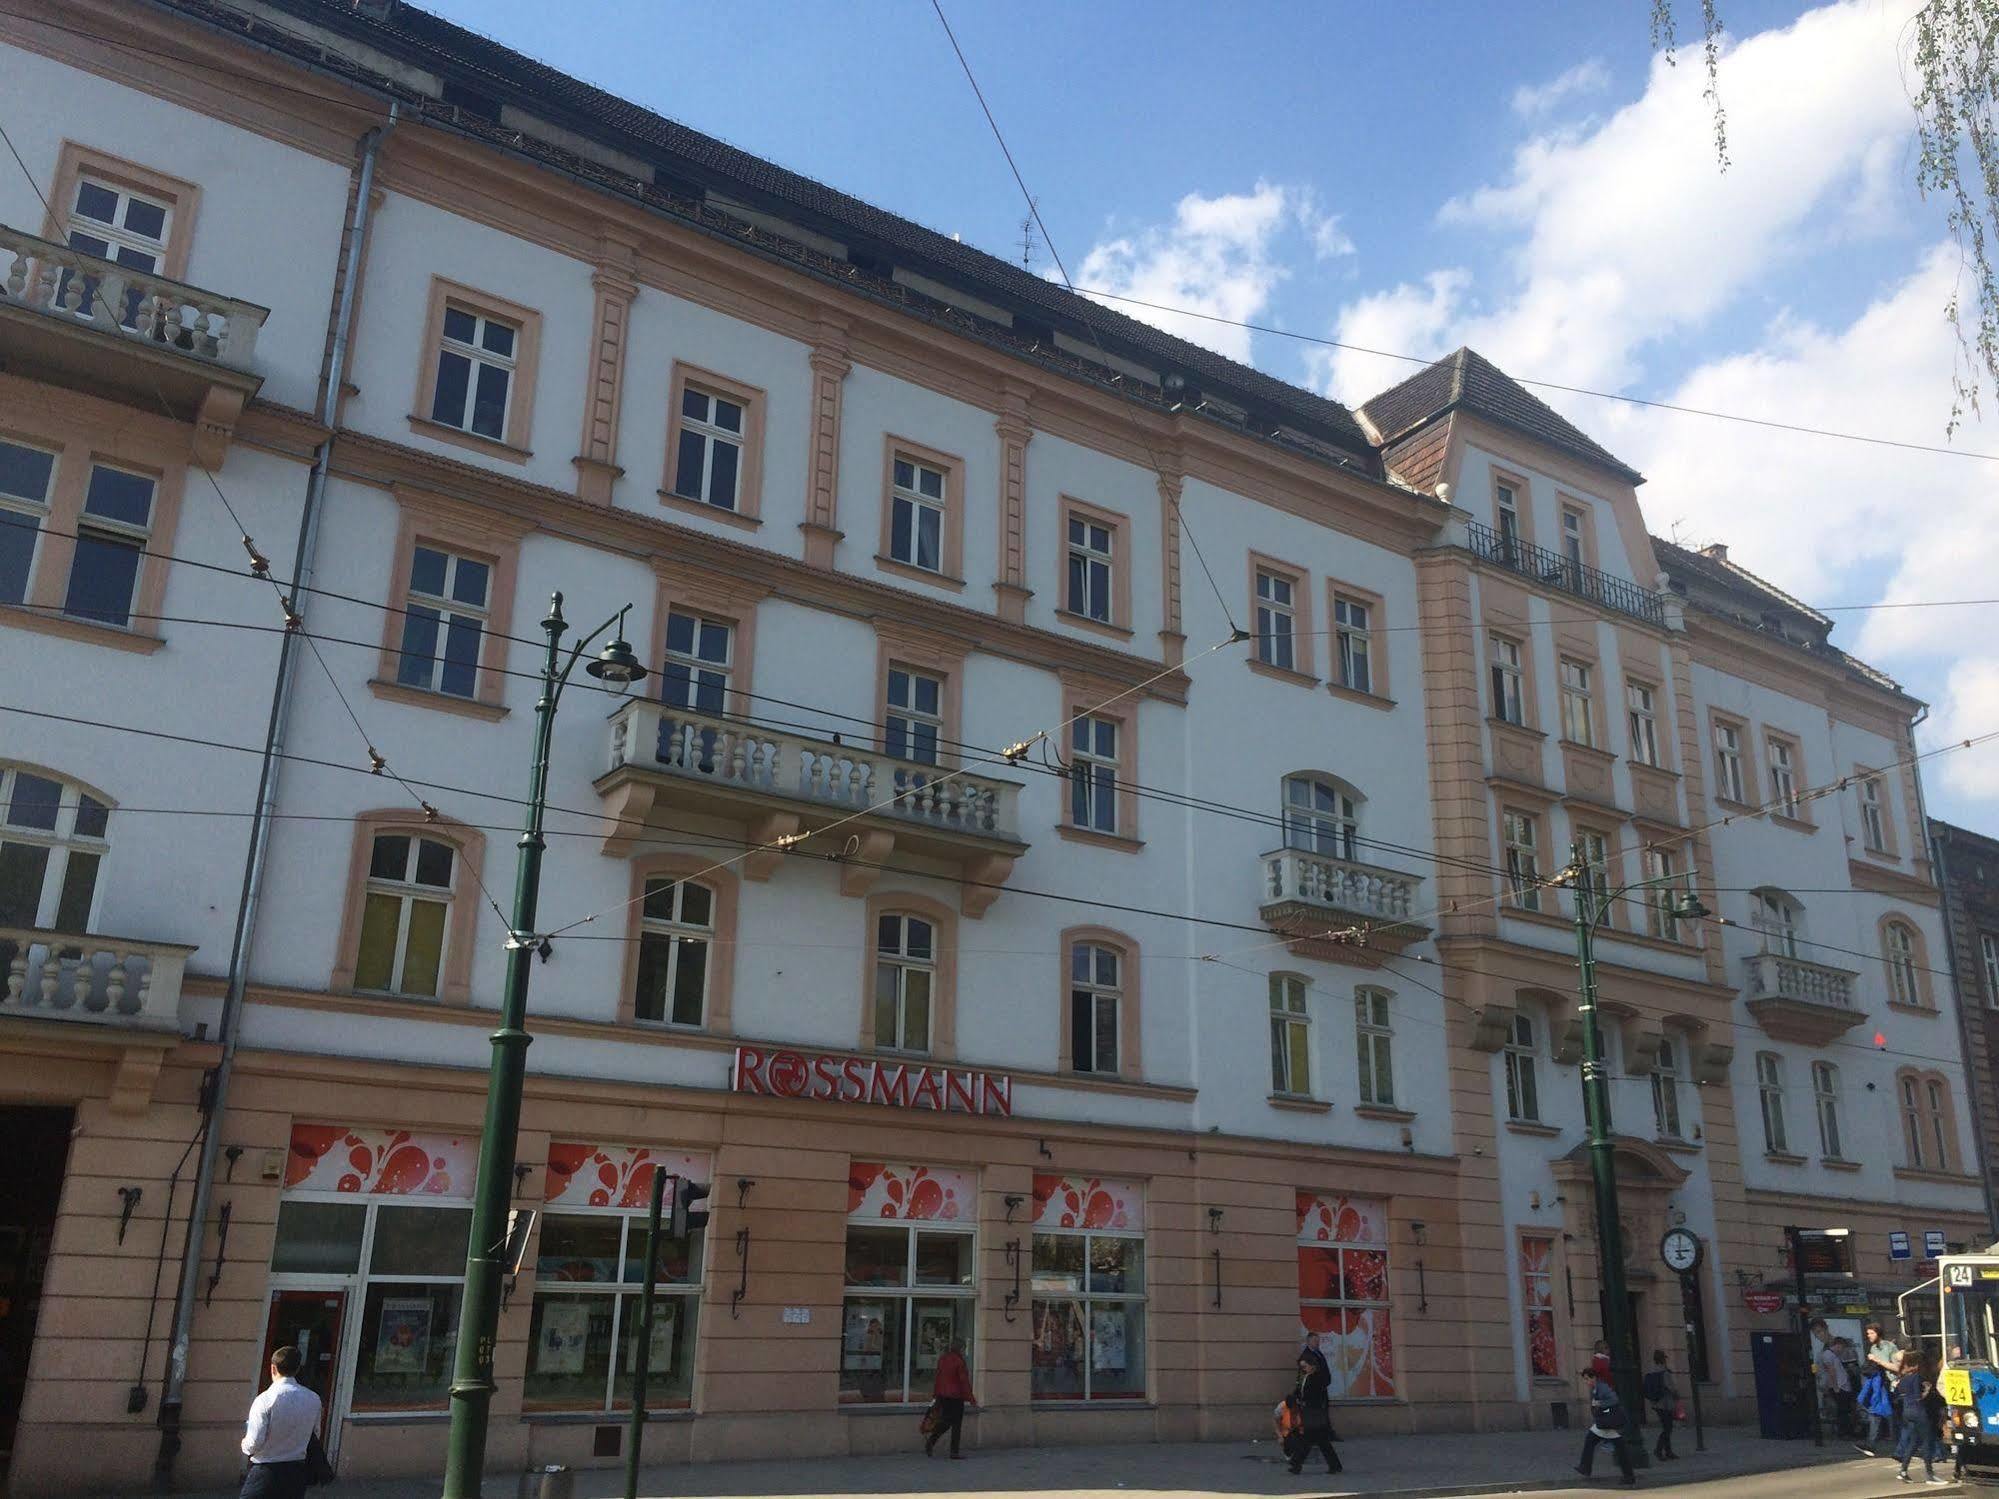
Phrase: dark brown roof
[1468,379]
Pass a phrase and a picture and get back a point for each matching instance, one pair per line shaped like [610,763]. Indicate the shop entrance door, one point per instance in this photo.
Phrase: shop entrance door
[310,1322]
[30,1189]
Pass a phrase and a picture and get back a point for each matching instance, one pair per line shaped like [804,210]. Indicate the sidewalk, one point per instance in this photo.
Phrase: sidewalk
[1408,1467]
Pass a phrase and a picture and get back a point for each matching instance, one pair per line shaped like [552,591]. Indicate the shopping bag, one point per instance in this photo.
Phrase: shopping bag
[318,1470]
[929,1419]
[1680,1411]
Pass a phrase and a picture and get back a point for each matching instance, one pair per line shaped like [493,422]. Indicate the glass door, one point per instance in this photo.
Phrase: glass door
[310,1322]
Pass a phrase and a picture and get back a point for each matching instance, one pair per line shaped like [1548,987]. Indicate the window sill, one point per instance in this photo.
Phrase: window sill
[746,520]
[1355,695]
[1735,808]
[1516,728]
[920,574]
[654,1415]
[1281,673]
[1795,824]
[398,1418]
[1906,1008]
[1922,1174]
[1838,1163]
[1115,841]
[443,702]
[1300,1105]
[1678,1146]
[1783,1158]
[1100,626]
[1533,1127]
[1383,1112]
[1594,752]
[50,623]
[423,426]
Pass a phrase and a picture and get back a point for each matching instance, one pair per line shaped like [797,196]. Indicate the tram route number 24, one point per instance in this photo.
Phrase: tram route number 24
[1960,1275]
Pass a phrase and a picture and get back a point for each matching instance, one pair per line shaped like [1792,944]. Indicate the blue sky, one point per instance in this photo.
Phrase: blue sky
[1530,179]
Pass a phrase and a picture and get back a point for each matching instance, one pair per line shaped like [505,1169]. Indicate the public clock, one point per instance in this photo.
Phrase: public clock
[1680,1249]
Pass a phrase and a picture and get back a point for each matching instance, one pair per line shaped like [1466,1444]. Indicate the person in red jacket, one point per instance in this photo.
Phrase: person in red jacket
[952,1390]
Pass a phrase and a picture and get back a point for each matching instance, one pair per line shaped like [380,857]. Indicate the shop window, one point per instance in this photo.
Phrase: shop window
[1537,1301]
[1343,1292]
[911,1279]
[1088,1335]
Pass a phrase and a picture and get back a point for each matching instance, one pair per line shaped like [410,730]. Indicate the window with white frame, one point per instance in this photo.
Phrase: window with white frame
[708,464]
[1276,619]
[1521,835]
[1873,821]
[1643,716]
[1093,774]
[1507,700]
[1784,776]
[1374,1041]
[1728,762]
[111,537]
[1898,940]
[53,840]
[475,372]
[1087,1339]
[1096,996]
[1666,1089]
[913,718]
[1523,1094]
[1775,916]
[117,224]
[1290,1037]
[1343,1292]
[700,656]
[1593,848]
[676,939]
[905,980]
[405,915]
[1092,556]
[1988,958]
[1352,622]
[911,1286]
[26,476]
[1770,1095]
[1578,715]
[916,514]
[1320,817]
[444,621]
[1661,898]
[1825,1102]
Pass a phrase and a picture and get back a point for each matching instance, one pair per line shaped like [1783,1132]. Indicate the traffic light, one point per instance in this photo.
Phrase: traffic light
[686,1218]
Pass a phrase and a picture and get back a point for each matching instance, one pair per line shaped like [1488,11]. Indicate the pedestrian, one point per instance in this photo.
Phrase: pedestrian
[1881,1360]
[1829,1374]
[283,1421]
[1845,1422]
[1664,1399]
[1315,1417]
[951,1389]
[1916,1434]
[1311,1352]
[1608,1421]
[1933,1404]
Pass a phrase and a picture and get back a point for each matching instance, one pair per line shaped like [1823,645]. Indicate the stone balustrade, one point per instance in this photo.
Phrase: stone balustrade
[59,282]
[92,978]
[1778,976]
[1290,874]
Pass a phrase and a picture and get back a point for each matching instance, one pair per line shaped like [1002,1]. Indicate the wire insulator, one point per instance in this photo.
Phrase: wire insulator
[376,764]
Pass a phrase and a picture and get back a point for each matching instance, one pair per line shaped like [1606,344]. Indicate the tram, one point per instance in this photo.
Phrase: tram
[1955,1320]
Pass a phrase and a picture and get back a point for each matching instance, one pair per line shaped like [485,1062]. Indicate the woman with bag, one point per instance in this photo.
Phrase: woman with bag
[1665,1402]
[952,1392]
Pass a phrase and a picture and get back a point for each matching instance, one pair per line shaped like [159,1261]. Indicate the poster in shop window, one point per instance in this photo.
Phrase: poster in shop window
[1107,1339]
[935,1327]
[661,1357]
[402,1343]
[863,1336]
[565,1324]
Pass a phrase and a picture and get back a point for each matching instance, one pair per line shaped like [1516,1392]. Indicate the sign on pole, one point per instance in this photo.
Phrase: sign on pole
[1898,1245]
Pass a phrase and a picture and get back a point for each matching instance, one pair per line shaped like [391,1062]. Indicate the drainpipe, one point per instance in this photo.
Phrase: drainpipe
[355,237]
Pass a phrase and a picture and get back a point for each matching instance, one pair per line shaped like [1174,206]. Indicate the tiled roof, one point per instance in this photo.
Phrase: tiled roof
[400,28]
[1468,379]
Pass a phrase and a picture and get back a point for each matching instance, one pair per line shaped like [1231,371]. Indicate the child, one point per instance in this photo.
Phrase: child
[1918,1434]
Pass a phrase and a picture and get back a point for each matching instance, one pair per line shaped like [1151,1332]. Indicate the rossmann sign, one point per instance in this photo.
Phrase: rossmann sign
[833,1078]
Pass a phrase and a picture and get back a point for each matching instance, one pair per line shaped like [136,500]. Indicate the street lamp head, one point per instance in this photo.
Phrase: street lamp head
[617,666]
[1690,907]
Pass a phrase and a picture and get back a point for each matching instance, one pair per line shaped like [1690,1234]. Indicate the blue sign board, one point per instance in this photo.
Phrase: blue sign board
[1898,1245]
[1933,1243]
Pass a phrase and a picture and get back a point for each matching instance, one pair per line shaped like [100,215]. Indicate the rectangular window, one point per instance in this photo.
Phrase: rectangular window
[111,537]
[916,513]
[1374,1040]
[1093,774]
[911,1286]
[405,915]
[1728,763]
[1537,1300]
[1087,1341]
[1506,510]
[1092,557]
[26,476]
[699,659]
[1276,619]
[113,223]
[1873,822]
[475,372]
[1666,1090]
[1784,776]
[1290,1037]
[1988,958]
[708,458]
[1770,1093]
[1594,848]
[1939,1141]
[1644,720]
[444,621]
[1320,818]
[676,930]
[1912,1122]
[1508,702]
[914,716]
[1522,837]
[905,979]
[1351,621]
[1661,898]
[1523,1096]
[1096,993]
[1572,543]
[1343,1292]
[1825,1099]
[1578,718]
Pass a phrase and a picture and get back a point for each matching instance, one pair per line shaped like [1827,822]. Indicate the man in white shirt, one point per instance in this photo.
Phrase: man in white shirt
[283,1421]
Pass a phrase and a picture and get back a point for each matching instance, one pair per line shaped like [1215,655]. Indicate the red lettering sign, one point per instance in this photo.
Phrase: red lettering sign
[897,1085]
[1763,1301]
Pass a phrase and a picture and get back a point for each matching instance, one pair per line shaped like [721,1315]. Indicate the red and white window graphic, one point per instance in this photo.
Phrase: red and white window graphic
[1343,1291]
[1088,1202]
[911,1193]
[379,1162]
[1537,1300]
[583,1175]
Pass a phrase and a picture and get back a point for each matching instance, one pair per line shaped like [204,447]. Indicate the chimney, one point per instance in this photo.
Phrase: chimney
[1716,550]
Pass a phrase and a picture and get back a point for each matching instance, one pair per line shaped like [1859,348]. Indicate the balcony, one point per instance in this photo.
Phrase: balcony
[1308,896]
[665,759]
[1554,570]
[93,325]
[110,993]
[1798,1001]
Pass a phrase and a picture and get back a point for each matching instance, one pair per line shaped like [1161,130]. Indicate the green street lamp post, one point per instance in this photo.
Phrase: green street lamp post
[1593,907]
[479,1312]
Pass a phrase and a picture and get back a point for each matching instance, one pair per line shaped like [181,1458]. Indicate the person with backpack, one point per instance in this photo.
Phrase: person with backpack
[1313,1407]
[1608,1421]
[1664,1399]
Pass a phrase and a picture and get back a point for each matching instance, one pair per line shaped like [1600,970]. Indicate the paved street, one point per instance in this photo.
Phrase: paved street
[1737,1463]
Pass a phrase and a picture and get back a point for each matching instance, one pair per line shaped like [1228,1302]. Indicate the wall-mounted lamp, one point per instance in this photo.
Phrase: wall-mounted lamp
[1417,1228]
[129,1196]
[1012,1201]
[1042,1146]
[1214,1220]
[521,1170]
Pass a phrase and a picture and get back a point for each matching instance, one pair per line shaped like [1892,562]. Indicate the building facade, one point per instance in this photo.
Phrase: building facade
[1967,873]
[1084,874]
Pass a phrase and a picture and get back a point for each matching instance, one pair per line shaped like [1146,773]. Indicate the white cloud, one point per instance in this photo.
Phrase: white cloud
[1588,77]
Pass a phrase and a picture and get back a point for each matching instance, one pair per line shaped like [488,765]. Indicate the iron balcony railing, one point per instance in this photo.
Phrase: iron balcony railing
[1571,577]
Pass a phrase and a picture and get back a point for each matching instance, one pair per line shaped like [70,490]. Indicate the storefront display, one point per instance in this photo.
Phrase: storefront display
[1088,1269]
[1343,1292]
[910,1278]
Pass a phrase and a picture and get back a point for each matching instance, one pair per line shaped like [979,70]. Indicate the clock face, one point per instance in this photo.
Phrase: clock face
[1680,1250]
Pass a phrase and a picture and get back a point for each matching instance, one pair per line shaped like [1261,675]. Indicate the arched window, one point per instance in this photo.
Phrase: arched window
[1899,946]
[1321,816]
[1523,1093]
[52,845]
[1825,1102]
[1290,1037]
[406,915]
[1777,918]
[1374,1043]
[1929,1123]
[676,936]
[905,979]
